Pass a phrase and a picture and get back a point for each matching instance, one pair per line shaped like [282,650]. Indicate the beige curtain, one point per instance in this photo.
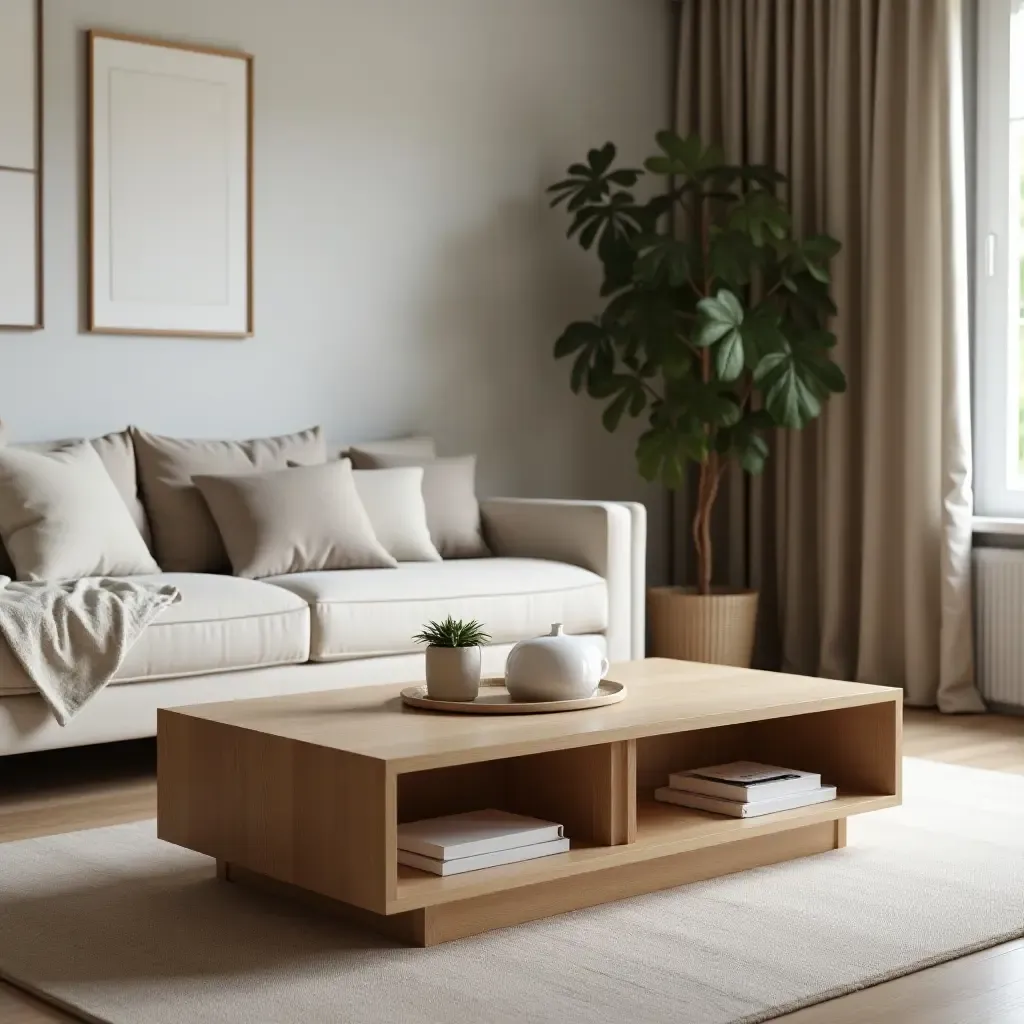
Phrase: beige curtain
[859,534]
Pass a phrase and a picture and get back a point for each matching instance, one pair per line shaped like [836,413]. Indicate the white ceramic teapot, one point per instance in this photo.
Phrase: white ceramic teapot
[554,667]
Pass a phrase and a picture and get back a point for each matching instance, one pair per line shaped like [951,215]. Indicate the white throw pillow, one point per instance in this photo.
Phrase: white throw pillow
[393,499]
[62,517]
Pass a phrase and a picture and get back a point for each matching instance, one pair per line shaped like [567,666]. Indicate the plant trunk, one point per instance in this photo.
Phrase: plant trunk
[711,470]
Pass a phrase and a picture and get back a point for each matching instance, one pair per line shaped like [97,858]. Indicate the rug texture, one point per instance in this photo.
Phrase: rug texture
[122,928]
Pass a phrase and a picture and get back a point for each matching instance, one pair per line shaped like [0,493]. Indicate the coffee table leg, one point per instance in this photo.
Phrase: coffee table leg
[223,870]
[840,833]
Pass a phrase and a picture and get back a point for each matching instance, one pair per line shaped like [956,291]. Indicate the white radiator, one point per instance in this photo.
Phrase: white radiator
[999,624]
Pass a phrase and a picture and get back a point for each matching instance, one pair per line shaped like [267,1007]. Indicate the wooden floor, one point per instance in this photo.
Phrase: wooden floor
[62,791]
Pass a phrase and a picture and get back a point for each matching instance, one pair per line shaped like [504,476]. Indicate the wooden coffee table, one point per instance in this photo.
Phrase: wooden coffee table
[303,793]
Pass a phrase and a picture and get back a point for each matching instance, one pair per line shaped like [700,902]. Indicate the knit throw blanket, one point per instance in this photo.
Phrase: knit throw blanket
[71,637]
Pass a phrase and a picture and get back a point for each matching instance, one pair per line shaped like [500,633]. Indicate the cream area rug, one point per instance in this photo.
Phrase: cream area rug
[122,928]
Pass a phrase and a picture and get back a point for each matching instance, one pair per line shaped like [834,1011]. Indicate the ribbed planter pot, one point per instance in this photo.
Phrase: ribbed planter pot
[453,673]
[717,627]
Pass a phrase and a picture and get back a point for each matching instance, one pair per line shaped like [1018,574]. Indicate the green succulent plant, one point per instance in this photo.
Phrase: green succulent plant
[715,324]
[453,633]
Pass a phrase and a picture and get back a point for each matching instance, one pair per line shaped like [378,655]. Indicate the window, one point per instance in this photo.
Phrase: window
[999,312]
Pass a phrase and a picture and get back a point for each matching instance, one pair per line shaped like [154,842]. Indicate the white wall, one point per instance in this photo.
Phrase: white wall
[408,272]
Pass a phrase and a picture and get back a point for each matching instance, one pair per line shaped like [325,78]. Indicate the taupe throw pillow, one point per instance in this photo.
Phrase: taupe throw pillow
[293,520]
[61,517]
[419,446]
[185,537]
[449,493]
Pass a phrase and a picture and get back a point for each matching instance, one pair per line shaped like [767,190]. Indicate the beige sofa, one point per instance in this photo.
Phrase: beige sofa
[576,562]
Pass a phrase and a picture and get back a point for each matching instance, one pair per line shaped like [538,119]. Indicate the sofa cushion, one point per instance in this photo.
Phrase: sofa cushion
[185,536]
[366,611]
[221,623]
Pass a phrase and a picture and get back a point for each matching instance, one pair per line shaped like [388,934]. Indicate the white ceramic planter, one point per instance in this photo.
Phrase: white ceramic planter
[453,673]
[554,667]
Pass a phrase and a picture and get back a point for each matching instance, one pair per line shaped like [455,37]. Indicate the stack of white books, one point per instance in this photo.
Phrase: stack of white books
[477,839]
[744,789]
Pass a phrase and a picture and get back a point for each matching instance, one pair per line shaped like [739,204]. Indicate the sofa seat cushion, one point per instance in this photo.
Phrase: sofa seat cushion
[222,623]
[363,612]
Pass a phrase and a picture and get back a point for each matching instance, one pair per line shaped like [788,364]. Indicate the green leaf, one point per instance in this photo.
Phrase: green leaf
[721,319]
[660,165]
[576,336]
[601,159]
[762,334]
[790,401]
[613,414]
[579,372]
[663,260]
[626,177]
[744,441]
[603,383]
[710,331]
[732,257]
[769,364]
[751,174]
[729,357]
[662,452]
[705,402]
[796,380]
[650,214]
[682,157]
[618,257]
[676,360]
[649,319]
[759,214]
[722,308]
[589,233]
[814,254]
[616,217]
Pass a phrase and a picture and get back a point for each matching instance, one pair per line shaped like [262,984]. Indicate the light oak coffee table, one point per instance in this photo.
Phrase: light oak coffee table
[303,794]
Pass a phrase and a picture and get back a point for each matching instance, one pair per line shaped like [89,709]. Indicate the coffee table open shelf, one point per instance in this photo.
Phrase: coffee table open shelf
[303,794]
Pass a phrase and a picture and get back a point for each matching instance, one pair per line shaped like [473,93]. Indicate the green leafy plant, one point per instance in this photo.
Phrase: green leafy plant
[715,321]
[453,633]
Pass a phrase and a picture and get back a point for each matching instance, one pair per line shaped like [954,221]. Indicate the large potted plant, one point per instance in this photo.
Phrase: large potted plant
[714,328]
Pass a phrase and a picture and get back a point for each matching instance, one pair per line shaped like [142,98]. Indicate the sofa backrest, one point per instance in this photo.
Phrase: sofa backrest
[118,455]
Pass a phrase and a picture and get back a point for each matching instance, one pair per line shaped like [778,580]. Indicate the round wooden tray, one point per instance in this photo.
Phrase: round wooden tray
[494,699]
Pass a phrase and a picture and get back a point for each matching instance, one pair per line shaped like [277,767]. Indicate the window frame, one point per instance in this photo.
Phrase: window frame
[998,483]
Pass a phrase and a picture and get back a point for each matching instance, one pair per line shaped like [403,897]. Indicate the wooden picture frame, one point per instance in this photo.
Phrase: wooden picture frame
[21,165]
[170,187]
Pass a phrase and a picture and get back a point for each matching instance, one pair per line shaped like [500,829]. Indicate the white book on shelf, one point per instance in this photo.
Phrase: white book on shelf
[741,809]
[455,836]
[437,866]
[746,781]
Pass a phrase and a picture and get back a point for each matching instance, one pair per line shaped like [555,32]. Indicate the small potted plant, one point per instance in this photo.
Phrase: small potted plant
[453,658]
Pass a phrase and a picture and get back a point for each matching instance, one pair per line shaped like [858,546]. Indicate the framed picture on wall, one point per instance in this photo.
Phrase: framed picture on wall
[170,188]
[21,208]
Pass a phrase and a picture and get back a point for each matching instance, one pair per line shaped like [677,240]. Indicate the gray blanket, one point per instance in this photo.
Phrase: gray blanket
[71,637]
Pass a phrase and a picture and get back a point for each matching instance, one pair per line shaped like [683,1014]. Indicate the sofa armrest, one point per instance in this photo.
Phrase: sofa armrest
[607,537]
